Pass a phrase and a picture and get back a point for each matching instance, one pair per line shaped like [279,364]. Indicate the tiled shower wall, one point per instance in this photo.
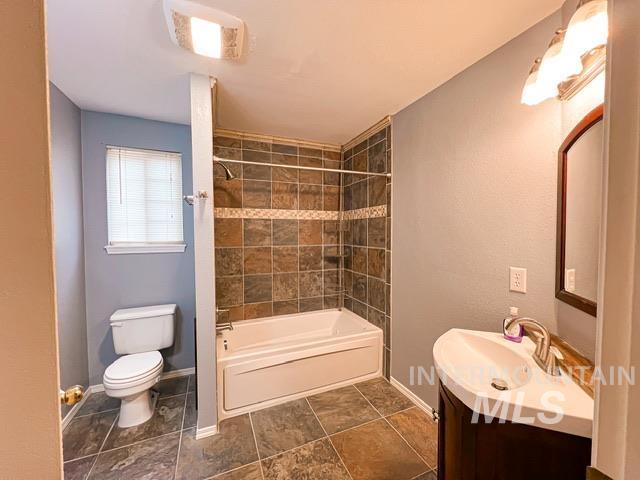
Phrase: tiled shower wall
[367,233]
[276,229]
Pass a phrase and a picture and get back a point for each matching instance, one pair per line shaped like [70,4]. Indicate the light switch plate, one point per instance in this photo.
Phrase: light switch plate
[518,279]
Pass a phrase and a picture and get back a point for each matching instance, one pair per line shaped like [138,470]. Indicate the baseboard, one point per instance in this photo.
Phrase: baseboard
[413,397]
[100,388]
[206,431]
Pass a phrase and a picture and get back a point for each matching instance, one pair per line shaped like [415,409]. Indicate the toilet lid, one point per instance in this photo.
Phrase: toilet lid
[130,367]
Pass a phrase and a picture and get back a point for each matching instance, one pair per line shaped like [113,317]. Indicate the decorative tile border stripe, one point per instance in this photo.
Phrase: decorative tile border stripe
[279,214]
[369,212]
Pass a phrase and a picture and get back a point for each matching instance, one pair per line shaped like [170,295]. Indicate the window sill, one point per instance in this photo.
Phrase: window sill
[145,248]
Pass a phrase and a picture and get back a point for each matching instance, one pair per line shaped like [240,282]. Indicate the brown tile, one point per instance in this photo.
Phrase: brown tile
[285,195]
[376,259]
[250,472]
[376,232]
[360,288]
[285,259]
[310,232]
[311,304]
[387,296]
[256,172]
[155,458]
[432,475]
[228,232]
[285,232]
[330,257]
[331,301]
[258,310]
[316,460]
[228,261]
[235,313]
[378,136]
[388,240]
[331,178]
[376,451]
[228,291]
[330,232]
[378,319]
[284,174]
[221,141]
[330,279]
[310,258]
[84,435]
[360,232]
[231,153]
[257,232]
[98,402]
[331,198]
[284,427]
[285,307]
[377,191]
[257,260]
[256,194]
[310,284]
[388,267]
[167,418]
[359,192]
[79,469]
[331,155]
[383,396]
[420,431]
[310,176]
[172,386]
[256,145]
[359,259]
[360,161]
[310,197]
[227,193]
[257,288]
[310,152]
[378,158]
[343,408]
[285,286]
[347,278]
[386,368]
[347,197]
[377,296]
[359,308]
[284,148]
[231,448]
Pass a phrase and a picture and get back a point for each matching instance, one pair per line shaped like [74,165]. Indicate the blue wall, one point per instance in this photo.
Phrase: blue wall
[122,281]
[66,173]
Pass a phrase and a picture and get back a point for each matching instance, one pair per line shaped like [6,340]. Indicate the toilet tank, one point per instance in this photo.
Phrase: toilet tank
[143,329]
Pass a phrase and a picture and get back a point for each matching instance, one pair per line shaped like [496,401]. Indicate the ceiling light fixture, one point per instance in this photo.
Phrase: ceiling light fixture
[204,30]
[556,66]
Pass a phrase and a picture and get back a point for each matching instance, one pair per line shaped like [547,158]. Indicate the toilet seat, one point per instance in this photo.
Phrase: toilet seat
[131,370]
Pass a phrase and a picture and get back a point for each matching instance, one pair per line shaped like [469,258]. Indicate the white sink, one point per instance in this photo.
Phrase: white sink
[469,362]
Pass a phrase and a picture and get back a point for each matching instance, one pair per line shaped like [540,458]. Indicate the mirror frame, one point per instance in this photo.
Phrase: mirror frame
[581,303]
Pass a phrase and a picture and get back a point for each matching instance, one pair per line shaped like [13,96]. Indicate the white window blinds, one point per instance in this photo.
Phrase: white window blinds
[144,196]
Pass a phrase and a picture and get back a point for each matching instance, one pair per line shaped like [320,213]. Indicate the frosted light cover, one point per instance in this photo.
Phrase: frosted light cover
[588,29]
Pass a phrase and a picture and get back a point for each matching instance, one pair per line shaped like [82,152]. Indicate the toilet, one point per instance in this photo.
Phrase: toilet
[138,334]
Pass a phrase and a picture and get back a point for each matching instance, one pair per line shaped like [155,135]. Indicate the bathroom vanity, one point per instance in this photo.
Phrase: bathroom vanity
[504,418]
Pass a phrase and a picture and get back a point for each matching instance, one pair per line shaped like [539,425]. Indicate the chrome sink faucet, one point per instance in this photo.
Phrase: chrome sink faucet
[543,355]
[222,326]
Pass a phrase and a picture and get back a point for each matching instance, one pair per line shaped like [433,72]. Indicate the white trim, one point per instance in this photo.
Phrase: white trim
[206,432]
[146,248]
[413,397]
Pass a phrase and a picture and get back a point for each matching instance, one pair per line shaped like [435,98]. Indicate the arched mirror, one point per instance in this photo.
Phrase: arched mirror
[579,204]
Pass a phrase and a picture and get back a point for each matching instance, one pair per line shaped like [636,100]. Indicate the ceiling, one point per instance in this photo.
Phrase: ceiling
[321,70]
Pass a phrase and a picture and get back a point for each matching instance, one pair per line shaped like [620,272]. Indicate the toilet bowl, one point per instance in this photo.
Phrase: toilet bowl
[138,334]
[130,378]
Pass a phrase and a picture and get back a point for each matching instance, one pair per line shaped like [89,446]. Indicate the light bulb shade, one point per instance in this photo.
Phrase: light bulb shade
[535,92]
[556,66]
[588,29]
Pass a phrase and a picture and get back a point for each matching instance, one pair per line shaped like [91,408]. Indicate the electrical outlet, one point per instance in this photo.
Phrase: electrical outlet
[518,279]
[570,279]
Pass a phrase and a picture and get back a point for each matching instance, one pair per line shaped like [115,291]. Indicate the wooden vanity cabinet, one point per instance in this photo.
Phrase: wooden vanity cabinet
[504,451]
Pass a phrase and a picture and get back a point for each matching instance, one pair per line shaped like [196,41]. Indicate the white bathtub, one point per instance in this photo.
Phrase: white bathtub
[277,359]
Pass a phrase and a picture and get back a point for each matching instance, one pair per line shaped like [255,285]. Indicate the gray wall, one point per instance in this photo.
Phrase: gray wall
[474,192]
[66,160]
[121,281]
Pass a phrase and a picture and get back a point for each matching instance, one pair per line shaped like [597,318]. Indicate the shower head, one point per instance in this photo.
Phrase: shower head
[229,174]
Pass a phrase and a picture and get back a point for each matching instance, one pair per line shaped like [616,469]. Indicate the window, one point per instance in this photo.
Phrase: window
[144,201]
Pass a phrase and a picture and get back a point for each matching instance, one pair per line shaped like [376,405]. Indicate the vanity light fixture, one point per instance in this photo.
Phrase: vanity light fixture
[535,91]
[204,30]
[575,56]
[588,28]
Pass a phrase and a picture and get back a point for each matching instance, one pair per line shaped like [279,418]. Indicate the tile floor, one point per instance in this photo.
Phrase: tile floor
[363,431]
